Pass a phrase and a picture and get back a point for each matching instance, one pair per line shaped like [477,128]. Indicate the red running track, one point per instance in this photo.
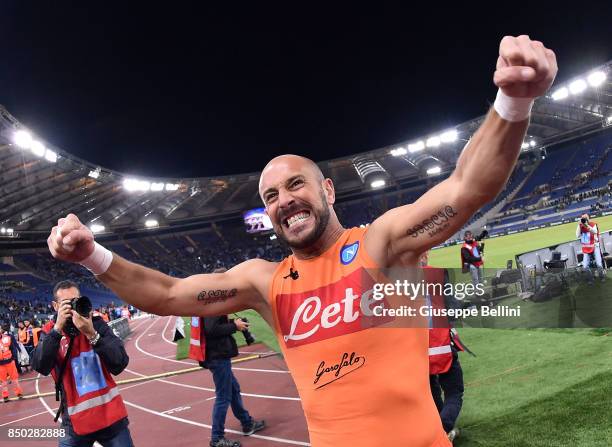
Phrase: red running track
[177,410]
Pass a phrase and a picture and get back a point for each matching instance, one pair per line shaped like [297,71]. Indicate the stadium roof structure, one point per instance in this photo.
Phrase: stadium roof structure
[40,183]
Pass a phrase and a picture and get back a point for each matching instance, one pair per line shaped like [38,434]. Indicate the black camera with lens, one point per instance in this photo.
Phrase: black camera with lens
[82,305]
[584,221]
[248,337]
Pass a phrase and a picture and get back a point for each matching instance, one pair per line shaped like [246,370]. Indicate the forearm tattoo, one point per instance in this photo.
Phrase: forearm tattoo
[216,296]
[435,224]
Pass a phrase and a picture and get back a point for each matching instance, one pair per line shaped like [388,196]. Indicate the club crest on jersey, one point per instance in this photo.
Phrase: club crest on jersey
[348,253]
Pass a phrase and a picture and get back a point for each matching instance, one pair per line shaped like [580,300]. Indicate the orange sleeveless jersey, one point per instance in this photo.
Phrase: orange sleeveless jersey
[359,386]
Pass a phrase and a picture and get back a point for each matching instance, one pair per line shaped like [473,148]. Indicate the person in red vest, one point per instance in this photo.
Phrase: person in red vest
[445,372]
[472,257]
[213,346]
[588,233]
[81,364]
[8,367]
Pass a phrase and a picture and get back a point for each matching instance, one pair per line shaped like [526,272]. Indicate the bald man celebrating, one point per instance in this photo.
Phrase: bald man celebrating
[359,386]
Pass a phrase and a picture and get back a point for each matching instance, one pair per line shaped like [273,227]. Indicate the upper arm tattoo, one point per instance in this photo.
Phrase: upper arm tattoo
[216,295]
[434,224]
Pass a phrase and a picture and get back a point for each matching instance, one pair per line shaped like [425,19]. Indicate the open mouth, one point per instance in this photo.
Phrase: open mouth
[296,218]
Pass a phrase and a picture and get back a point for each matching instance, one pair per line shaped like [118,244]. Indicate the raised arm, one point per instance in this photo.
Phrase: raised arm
[208,294]
[525,70]
[204,295]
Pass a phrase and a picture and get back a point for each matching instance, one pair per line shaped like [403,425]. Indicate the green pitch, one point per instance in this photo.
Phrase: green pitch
[498,250]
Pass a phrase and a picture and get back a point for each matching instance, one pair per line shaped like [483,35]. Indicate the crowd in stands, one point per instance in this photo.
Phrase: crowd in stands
[13,311]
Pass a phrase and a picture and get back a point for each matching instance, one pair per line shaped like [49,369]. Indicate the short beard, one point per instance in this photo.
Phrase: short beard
[320,228]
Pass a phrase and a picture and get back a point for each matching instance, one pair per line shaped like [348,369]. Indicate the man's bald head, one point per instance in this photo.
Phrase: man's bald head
[290,163]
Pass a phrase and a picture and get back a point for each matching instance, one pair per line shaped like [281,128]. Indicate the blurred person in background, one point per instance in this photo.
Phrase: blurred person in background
[213,346]
[472,259]
[8,363]
[588,234]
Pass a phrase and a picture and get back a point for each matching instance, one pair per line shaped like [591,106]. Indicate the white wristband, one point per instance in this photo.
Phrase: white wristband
[99,261]
[512,109]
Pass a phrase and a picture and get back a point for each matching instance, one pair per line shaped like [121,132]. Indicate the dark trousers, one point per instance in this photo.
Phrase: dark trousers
[227,392]
[451,384]
[120,439]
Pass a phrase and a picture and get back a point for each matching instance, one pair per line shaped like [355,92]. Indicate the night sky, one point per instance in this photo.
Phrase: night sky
[172,90]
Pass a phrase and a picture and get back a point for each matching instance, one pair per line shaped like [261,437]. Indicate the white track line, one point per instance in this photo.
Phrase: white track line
[199,424]
[43,401]
[50,410]
[164,332]
[279,371]
[137,344]
[195,387]
[24,418]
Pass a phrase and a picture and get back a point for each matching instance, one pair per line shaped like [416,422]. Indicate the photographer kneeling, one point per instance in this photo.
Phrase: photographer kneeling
[81,353]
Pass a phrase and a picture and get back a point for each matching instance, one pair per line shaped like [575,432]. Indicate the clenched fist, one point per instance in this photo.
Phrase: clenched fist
[70,240]
[525,67]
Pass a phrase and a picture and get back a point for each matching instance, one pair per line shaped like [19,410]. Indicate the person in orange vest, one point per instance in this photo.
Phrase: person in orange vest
[36,329]
[319,296]
[24,338]
[29,343]
[81,353]
[445,372]
[23,333]
[588,234]
[472,257]
[8,359]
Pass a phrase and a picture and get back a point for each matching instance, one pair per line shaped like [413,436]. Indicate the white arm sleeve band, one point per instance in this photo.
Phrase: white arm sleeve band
[512,109]
[99,261]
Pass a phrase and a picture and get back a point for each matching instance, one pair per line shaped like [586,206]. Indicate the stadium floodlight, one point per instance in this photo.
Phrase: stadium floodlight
[9,231]
[378,183]
[38,148]
[23,139]
[3,230]
[157,186]
[449,136]
[94,174]
[415,147]
[578,86]
[560,93]
[136,185]
[435,170]
[398,151]
[433,142]
[596,78]
[172,186]
[525,145]
[151,223]
[532,143]
[51,156]
[97,228]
